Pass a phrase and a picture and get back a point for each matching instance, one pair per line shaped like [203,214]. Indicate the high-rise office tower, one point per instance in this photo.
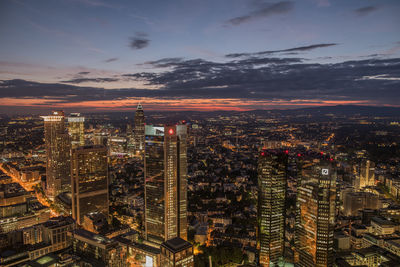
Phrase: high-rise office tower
[316,202]
[58,154]
[89,179]
[139,132]
[165,183]
[272,166]
[130,140]
[76,129]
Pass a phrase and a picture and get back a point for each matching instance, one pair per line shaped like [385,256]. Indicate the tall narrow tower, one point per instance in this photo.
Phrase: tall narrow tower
[316,203]
[139,128]
[89,181]
[76,129]
[367,173]
[165,183]
[272,166]
[58,155]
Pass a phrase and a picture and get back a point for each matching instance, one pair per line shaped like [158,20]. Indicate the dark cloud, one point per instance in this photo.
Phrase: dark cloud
[375,80]
[83,73]
[164,63]
[20,89]
[300,48]
[143,76]
[264,10]
[140,41]
[111,59]
[96,80]
[365,10]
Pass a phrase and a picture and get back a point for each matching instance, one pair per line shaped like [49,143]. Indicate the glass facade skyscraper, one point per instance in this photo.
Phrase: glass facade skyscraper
[165,182]
[272,166]
[76,129]
[57,153]
[139,131]
[89,181]
[316,206]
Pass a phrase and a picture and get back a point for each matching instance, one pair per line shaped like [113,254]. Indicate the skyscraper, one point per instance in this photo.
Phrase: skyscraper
[316,204]
[165,183]
[139,128]
[130,140]
[76,129]
[89,172]
[272,165]
[58,154]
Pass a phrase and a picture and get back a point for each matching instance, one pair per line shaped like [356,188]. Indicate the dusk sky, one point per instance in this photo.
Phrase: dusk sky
[98,55]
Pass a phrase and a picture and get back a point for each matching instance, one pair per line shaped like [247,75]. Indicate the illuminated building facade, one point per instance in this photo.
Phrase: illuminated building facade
[89,173]
[130,140]
[316,202]
[139,133]
[367,173]
[177,252]
[18,209]
[51,233]
[97,250]
[57,153]
[100,139]
[165,183]
[272,165]
[76,129]
[117,146]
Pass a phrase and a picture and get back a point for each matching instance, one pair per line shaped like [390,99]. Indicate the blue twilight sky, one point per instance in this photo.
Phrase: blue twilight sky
[99,43]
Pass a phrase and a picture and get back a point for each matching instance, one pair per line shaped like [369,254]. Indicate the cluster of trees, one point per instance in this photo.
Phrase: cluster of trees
[220,256]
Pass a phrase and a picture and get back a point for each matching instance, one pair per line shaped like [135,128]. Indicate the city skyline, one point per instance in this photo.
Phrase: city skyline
[186,133]
[215,189]
[93,55]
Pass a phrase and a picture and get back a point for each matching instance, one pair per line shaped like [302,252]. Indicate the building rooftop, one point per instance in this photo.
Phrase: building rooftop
[176,244]
[58,222]
[92,236]
[382,221]
[12,190]
[136,245]
[359,227]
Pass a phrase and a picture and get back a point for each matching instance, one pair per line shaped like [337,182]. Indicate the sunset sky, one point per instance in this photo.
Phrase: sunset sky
[98,55]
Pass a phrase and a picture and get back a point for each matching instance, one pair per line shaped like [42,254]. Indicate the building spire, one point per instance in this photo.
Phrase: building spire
[139,106]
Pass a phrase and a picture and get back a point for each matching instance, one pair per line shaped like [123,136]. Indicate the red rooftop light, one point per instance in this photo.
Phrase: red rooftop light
[331,159]
[262,153]
[171,131]
[299,155]
[321,153]
[286,151]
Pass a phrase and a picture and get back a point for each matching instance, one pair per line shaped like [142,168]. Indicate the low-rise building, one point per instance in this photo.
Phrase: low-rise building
[96,249]
[177,252]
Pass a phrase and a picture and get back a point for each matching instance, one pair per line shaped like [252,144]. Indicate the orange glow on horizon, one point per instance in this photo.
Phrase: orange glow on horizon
[129,104]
